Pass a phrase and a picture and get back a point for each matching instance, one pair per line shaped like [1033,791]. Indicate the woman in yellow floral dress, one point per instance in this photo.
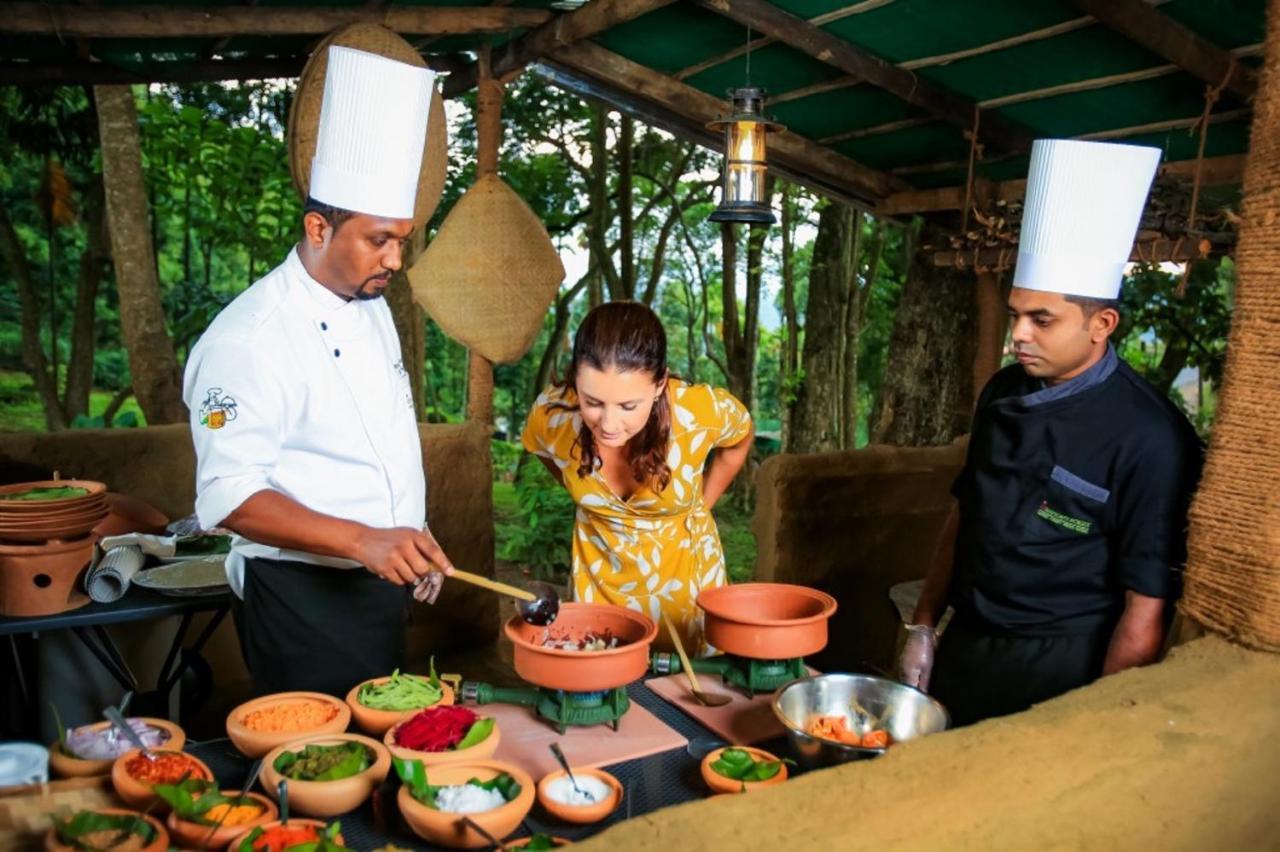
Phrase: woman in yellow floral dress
[630,444]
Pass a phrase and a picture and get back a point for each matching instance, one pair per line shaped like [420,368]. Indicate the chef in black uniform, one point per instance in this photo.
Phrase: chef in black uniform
[1062,555]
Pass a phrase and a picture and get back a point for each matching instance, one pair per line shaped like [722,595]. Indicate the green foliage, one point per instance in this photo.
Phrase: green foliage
[505,455]
[542,534]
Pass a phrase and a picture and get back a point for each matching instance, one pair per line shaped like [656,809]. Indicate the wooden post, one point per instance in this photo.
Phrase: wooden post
[489,140]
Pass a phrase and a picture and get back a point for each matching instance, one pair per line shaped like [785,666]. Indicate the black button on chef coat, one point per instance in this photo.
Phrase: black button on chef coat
[1070,495]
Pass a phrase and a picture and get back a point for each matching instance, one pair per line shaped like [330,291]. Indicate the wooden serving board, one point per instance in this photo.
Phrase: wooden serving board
[25,811]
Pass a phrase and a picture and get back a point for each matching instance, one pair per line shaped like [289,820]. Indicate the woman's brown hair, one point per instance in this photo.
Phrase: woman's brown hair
[627,337]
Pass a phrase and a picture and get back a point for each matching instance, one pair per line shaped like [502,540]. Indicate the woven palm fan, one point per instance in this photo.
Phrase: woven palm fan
[304,117]
[489,275]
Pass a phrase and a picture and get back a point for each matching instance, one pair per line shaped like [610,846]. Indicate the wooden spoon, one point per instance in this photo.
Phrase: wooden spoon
[539,608]
[703,698]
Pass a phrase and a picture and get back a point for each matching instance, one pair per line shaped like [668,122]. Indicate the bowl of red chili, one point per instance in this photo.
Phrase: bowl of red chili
[444,734]
[134,774]
[278,836]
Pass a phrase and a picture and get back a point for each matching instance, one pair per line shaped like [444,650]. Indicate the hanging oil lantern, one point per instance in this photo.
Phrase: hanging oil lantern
[742,196]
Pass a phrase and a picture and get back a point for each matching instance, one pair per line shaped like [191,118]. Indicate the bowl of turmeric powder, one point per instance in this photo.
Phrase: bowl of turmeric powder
[203,817]
[258,726]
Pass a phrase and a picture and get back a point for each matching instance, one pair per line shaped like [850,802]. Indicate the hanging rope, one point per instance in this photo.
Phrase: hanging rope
[1211,95]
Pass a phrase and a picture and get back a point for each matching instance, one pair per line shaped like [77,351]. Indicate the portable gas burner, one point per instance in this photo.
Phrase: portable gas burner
[562,708]
[750,675]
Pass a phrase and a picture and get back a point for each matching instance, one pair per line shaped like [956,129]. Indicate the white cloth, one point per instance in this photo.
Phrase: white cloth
[296,390]
[1084,202]
[373,127]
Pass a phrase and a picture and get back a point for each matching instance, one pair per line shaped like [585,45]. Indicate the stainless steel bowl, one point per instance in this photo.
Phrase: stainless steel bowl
[906,713]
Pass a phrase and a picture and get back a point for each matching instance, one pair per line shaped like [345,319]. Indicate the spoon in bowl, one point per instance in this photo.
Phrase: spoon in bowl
[115,717]
[564,764]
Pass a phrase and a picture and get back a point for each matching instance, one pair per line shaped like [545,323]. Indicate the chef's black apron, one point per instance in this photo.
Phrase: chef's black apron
[315,628]
[1070,496]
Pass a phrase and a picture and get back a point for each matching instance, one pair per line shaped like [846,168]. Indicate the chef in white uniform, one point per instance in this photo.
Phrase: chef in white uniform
[306,441]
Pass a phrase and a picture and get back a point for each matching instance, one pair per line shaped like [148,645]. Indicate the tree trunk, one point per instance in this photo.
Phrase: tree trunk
[598,198]
[992,325]
[729,306]
[816,413]
[157,381]
[790,366]
[626,217]
[559,333]
[750,343]
[83,340]
[1172,362]
[32,352]
[852,329]
[927,398]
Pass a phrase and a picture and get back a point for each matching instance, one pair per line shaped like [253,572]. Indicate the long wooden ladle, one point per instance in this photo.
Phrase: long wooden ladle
[704,698]
[538,607]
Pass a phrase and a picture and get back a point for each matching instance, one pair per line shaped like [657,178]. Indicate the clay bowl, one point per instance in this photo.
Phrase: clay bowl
[449,830]
[525,841]
[159,844]
[327,798]
[378,722]
[240,839]
[253,744]
[720,784]
[137,793]
[96,491]
[583,671]
[91,508]
[482,750]
[580,814]
[194,835]
[43,579]
[68,766]
[54,531]
[767,621]
[129,515]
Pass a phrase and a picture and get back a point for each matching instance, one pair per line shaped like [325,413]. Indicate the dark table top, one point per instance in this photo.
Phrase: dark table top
[649,783]
[138,604]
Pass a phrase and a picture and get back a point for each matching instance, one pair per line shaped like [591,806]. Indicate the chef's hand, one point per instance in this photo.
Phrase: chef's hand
[916,663]
[401,555]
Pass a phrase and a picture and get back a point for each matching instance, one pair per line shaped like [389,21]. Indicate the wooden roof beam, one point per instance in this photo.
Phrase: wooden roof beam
[1215,171]
[590,20]
[227,21]
[668,103]
[1162,35]
[104,73]
[762,16]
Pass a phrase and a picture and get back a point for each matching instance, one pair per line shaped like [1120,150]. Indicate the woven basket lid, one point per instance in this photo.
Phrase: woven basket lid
[491,272]
[304,117]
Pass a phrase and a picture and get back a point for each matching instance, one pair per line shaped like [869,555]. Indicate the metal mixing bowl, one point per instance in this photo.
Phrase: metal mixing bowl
[904,712]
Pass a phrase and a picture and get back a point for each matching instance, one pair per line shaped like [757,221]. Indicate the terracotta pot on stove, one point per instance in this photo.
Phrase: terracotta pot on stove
[43,579]
[583,671]
[767,621]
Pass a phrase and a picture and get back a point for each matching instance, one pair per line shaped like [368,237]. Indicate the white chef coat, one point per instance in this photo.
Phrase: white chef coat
[294,389]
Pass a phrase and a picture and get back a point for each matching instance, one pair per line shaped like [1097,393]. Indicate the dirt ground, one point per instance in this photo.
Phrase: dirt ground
[1182,755]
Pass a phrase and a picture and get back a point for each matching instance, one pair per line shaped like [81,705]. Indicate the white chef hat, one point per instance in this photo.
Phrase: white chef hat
[373,125]
[1084,201]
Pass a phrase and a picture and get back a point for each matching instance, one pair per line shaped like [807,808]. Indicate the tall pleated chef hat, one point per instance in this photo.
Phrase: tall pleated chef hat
[1083,205]
[373,124]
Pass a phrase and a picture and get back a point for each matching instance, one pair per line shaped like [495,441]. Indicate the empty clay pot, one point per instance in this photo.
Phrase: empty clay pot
[129,515]
[767,621]
[583,671]
[43,579]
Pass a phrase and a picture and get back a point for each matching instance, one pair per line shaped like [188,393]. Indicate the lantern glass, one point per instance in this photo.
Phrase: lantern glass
[745,163]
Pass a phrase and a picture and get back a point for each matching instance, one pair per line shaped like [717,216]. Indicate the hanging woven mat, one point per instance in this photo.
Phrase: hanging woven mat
[304,117]
[489,275]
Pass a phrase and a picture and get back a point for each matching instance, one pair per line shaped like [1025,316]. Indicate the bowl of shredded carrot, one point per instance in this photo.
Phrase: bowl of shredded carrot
[258,726]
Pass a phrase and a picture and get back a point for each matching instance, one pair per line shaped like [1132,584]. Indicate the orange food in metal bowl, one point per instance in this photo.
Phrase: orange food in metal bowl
[301,715]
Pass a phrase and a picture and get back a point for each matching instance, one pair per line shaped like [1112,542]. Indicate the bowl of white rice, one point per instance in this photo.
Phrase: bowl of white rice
[464,789]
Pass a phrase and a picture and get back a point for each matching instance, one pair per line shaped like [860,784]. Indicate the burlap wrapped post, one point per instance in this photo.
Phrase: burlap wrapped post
[1233,573]
[304,117]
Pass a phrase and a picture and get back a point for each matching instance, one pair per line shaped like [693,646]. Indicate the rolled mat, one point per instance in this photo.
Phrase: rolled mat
[1233,570]
[110,577]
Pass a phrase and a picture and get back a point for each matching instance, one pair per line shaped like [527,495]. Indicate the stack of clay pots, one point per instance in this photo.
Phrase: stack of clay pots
[45,545]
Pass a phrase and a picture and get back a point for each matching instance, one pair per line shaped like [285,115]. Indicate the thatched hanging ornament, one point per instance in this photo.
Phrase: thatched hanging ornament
[304,116]
[491,273]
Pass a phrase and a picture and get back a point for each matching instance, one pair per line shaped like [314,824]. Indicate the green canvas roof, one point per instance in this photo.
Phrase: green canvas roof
[1043,66]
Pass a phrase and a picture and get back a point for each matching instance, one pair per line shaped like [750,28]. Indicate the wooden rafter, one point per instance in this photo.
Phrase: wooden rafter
[592,19]
[103,73]
[666,102]
[1147,250]
[953,108]
[1214,171]
[1162,35]
[226,21]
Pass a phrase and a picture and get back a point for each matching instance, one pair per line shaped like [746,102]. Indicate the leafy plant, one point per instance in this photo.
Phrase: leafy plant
[542,534]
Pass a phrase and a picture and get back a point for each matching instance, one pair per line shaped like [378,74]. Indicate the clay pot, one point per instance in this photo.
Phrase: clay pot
[525,841]
[96,491]
[482,750]
[378,722]
[159,844]
[317,824]
[448,830]
[767,621]
[254,744]
[583,671]
[720,784]
[68,766]
[327,798]
[580,814]
[137,793]
[195,835]
[43,579]
[129,515]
